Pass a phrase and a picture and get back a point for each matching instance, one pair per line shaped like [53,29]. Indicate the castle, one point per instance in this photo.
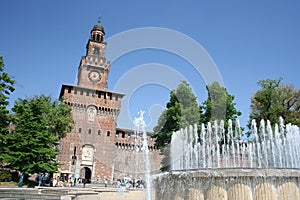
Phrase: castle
[96,149]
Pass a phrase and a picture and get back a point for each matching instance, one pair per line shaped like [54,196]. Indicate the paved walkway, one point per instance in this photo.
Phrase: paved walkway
[90,192]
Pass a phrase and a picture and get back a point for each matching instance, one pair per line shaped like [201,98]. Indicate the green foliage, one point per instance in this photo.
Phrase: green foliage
[5,175]
[168,122]
[6,87]
[218,106]
[188,104]
[39,123]
[214,108]
[275,100]
[182,111]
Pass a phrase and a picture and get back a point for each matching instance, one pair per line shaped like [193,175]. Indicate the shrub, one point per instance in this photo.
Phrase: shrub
[5,175]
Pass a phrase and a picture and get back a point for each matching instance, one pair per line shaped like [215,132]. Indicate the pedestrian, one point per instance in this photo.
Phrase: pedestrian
[44,178]
[72,180]
[84,182]
[69,181]
[40,177]
[54,182]
[105,182]
[21,180]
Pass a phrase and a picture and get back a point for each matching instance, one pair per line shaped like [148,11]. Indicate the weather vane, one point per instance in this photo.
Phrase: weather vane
[99,18]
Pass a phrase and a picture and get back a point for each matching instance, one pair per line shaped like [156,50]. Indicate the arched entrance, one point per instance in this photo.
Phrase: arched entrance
[86,173]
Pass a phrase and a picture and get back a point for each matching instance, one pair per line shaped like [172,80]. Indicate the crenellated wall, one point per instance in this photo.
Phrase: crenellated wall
[83,97]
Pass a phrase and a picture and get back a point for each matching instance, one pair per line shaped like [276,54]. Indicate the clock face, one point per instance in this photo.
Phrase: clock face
[96,50]
[94,76]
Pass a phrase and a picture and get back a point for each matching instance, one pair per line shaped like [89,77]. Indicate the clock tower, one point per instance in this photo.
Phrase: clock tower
[95,149]
[88,151]
[93,69]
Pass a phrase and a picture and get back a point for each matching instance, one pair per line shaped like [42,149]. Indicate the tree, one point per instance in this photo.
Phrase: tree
[275,100]
[38,125]
[218,106]
[6,87]
[168,122]
[182,111]
[290,101]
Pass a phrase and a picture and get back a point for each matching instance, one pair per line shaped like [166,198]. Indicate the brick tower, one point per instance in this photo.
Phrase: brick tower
[96,149]
[88,150]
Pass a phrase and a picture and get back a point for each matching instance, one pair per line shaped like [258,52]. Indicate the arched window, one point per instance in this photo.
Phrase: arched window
[108,133]
[99,132]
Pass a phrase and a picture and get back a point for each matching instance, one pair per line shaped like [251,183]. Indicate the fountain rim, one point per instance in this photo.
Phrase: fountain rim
[233,173]
[238,168]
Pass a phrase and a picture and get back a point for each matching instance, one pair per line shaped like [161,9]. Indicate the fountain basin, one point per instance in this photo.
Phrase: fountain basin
[229,184]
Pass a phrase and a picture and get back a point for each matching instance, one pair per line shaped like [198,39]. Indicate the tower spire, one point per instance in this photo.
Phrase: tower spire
[99,19]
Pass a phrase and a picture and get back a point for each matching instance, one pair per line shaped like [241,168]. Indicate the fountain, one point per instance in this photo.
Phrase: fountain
[140,132]
[218,165]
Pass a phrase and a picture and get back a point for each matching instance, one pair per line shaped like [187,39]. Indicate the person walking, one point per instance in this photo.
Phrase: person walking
[54,182]
[84,182]
[40,177]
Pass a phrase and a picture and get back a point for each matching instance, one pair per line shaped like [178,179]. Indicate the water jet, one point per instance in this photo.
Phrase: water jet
[213,164]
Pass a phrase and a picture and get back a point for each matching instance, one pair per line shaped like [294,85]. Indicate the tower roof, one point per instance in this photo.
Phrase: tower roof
[98,27]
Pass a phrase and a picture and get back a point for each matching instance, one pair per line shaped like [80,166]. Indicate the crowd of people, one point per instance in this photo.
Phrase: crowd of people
[42,179]
[130,183]
[65,180]
[69,180]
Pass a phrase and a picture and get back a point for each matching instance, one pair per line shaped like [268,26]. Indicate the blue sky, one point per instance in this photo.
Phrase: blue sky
[42,43]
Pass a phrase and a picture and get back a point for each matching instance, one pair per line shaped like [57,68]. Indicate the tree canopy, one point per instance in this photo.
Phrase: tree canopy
[182,111]
[218,106]
[273,100]
[38,123]
[6,87]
